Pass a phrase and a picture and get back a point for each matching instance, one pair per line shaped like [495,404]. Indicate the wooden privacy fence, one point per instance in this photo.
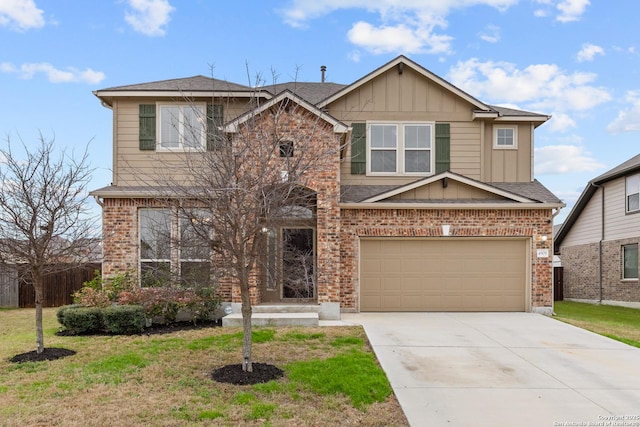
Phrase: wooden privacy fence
[58,287]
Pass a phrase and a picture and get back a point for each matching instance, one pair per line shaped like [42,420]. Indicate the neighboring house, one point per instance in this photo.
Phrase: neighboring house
[598,242]
[432,205]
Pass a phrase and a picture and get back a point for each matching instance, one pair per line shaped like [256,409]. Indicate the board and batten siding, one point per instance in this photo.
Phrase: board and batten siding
[508,165]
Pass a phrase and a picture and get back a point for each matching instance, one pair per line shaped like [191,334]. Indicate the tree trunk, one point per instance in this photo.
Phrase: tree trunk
[246,324]
[39,291]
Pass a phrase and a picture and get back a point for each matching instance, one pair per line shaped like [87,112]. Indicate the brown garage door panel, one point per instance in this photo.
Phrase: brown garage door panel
[443,275]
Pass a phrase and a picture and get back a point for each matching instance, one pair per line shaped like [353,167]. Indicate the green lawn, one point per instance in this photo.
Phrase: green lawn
[619,323]
[331,378]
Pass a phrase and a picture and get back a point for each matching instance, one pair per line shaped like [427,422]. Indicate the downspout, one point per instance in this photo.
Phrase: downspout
[601,239]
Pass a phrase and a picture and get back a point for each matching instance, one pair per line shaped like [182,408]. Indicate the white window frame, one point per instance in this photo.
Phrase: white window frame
[514,142]
[630,182]
[182,130]
[400,148]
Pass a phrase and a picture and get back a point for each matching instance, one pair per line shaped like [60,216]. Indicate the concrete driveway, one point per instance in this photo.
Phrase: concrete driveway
[509,369]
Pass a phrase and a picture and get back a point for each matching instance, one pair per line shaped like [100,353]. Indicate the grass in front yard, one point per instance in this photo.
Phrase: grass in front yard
[619,323]
[331,378]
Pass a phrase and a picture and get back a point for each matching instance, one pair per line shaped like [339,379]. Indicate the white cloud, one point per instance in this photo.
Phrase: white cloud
[408,26]
[568,10]
[571,10]
[628,120]
[542,87]
[562,159]
[589,51]
[561,122]
[400,38]
[491,34]
[149,16]
[54,75]
[20,14]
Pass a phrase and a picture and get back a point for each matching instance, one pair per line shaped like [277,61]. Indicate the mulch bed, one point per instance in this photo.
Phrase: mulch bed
[49,353]
[233,374]
[230,374]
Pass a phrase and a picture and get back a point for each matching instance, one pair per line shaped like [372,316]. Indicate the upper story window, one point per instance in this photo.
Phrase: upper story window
[400,148]
[633,193]
[505,137]
[181,127]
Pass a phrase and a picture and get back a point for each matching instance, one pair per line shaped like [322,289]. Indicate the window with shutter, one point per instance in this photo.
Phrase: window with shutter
[443,147]
[358,148]
[147,133]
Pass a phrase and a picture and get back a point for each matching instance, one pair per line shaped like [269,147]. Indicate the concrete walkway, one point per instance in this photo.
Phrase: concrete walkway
[509,369]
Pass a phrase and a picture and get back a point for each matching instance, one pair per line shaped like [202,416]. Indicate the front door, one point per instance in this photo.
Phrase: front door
[291,263]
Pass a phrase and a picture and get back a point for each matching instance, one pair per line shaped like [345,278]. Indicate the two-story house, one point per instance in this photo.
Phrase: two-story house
[431,205]
[598,242]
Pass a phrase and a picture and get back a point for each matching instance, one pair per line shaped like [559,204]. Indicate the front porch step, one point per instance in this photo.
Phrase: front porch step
[286,308]
[273,319]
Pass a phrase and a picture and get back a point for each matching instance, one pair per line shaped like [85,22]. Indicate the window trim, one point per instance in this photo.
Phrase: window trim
[201,110]
[627,193]
[623,258]
[400,148]
[176,258]
[514,145]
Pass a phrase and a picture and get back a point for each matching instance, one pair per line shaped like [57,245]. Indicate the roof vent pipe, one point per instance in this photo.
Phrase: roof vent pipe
[323,69]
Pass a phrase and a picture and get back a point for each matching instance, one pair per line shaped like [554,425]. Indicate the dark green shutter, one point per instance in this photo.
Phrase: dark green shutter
[147,126]
[215,120]
[443,143]
[359,148]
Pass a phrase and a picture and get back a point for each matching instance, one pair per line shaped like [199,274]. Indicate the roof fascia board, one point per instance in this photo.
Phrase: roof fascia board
[455,177]
[416,67]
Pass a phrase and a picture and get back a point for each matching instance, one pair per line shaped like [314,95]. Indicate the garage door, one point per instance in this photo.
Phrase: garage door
[443,275]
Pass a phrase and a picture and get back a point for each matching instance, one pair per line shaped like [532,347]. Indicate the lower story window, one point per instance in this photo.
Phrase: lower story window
[174,248]
[630,261]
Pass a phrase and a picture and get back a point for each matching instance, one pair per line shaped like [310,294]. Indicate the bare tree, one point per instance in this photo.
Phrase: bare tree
[44,220]
[262,169]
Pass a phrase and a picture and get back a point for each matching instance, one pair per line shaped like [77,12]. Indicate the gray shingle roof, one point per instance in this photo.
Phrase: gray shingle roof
[512,112]
[195,83]
[312,92]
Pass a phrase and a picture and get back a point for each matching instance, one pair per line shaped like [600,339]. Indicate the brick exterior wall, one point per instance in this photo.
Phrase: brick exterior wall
[580,267]
[581,264]
[356,223]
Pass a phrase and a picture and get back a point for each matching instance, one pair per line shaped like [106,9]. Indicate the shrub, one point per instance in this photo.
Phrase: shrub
[123,319]
[167,302]
[89,297]
[62,310]
[82,320]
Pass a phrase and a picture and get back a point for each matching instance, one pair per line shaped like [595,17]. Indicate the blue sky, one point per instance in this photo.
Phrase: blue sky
[577,60]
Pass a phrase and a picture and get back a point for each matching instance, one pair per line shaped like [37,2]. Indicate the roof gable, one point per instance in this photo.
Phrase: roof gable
[286,96]
[465,189]
[400,62]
